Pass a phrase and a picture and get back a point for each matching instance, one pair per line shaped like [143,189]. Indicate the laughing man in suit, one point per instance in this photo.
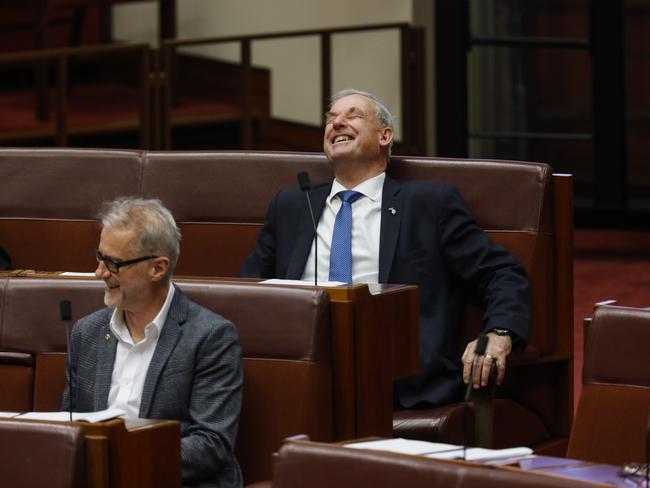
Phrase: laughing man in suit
[153,352]
[410,232]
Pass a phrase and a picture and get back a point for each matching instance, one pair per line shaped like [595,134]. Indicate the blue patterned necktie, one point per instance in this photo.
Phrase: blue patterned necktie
[341,251]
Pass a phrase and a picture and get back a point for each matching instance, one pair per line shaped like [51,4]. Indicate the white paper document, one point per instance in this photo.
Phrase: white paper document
[403,446]
[78,273]
[276,281]
[9,415]
[481,454]
[98,416]
[439,450]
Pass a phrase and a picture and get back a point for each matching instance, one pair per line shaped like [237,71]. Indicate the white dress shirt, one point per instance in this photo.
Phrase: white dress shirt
[132,360]
[366,224]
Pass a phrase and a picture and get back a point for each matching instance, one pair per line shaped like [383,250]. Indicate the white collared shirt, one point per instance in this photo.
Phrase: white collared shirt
[366,224]
[132,360]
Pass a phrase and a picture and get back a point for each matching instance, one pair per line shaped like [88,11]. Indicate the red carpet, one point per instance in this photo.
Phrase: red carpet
[608,265]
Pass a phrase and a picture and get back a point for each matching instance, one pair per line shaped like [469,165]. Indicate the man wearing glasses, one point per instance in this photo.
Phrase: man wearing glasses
[153,352]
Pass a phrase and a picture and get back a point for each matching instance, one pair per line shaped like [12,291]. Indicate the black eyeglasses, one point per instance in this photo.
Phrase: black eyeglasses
[114,266]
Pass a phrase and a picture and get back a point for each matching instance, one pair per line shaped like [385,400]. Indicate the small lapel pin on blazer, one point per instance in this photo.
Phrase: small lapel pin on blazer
[107,337]
[392,210]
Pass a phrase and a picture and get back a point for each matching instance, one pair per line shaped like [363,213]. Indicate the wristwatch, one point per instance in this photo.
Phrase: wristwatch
[501,332]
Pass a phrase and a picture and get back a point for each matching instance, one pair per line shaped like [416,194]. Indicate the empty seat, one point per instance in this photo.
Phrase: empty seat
[610,423]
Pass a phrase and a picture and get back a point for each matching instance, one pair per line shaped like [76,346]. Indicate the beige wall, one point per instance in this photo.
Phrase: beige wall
[368,61]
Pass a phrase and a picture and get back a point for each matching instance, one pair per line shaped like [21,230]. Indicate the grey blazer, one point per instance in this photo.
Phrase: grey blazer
[195,376]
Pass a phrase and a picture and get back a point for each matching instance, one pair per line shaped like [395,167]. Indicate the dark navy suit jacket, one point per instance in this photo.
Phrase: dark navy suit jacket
[195,376]
[429,239]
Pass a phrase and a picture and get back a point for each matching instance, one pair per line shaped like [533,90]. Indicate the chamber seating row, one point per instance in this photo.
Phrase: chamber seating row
[302,463]
[611,427]
[51,198]
[284,333]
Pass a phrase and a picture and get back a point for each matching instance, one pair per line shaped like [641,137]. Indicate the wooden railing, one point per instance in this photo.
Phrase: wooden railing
[156,72]
[37,16]
[411,70]
[59,58]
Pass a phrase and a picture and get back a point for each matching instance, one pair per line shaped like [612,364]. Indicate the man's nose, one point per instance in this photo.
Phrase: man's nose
[102,271]
[339,120]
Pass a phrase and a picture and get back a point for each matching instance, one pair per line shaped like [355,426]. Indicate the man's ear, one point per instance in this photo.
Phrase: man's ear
[159,268]
[386,136]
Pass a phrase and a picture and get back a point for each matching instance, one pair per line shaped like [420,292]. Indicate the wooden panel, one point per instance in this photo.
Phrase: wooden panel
[49,381]
[50,245]
[215,249]
[142,453]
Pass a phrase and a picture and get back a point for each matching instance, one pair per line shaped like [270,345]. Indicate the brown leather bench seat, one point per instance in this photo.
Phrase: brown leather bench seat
[611,422]
[47,222]
[284,333]
[317,465]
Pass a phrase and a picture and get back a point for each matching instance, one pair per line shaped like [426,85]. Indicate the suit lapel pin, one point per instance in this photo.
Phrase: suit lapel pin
[107,337]
[392,210]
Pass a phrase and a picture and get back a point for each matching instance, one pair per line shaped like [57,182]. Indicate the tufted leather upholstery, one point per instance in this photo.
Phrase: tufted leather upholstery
[612,415]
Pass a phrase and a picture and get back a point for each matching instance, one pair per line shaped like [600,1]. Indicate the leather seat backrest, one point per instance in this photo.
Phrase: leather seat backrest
[42,454]
[614,406]
[285,334]
[220,200]
[319,465]
[48,211]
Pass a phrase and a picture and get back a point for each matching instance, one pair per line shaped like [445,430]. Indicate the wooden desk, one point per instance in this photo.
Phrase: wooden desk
[597,473]
[132,453]
[574,468]
[375,341]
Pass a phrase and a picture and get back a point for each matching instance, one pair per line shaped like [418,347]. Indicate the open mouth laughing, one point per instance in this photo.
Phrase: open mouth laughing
[341,138]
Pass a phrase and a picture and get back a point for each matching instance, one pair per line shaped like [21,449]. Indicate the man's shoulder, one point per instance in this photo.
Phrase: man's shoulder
[419,186]
[96,319]
[294,192]
[429,191]
[88,328]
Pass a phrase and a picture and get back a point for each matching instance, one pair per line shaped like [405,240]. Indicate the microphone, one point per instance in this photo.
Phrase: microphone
[65,310]
[479,350]
[305,185]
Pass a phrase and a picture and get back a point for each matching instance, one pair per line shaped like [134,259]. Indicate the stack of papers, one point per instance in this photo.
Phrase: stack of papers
[98,416]
[441,451]
[277,281]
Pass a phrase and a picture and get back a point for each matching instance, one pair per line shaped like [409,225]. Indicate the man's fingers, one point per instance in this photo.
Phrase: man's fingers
[489,362]
[468,360]
[501,371]
[478,371]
